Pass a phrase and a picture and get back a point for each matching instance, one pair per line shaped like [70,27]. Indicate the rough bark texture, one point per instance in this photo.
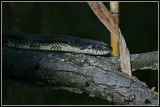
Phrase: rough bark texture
[97,76]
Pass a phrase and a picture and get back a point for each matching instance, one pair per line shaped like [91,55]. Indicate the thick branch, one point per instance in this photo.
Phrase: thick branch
[96,76]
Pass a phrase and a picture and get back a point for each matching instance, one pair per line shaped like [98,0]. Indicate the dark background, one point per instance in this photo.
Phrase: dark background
[138,24]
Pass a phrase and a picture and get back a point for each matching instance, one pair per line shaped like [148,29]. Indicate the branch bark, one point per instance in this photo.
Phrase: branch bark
[97,76]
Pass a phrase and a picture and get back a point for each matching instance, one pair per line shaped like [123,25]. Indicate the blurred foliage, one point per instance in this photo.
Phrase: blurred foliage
[138,23]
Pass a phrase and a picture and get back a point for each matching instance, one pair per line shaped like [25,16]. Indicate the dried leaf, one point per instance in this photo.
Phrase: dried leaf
[105,17]
[124,56]
[110,22]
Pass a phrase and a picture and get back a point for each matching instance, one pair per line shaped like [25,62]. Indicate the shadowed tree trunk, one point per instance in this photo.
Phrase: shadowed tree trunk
[14,18]
[46,19]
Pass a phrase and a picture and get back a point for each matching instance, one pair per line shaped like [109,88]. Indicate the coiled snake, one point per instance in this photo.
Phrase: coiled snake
[54,43]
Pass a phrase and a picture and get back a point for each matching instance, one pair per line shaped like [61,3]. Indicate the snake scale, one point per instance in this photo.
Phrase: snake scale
[54,43]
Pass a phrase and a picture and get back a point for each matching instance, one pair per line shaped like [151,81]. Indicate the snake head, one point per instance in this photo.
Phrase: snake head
[98,48]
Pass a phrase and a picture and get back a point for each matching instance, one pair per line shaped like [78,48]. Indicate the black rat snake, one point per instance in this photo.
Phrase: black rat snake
[54,43]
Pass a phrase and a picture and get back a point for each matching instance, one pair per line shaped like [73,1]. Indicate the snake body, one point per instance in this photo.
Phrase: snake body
[54,43]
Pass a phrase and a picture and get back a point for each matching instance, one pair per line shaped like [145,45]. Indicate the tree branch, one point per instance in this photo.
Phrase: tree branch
[96,76]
